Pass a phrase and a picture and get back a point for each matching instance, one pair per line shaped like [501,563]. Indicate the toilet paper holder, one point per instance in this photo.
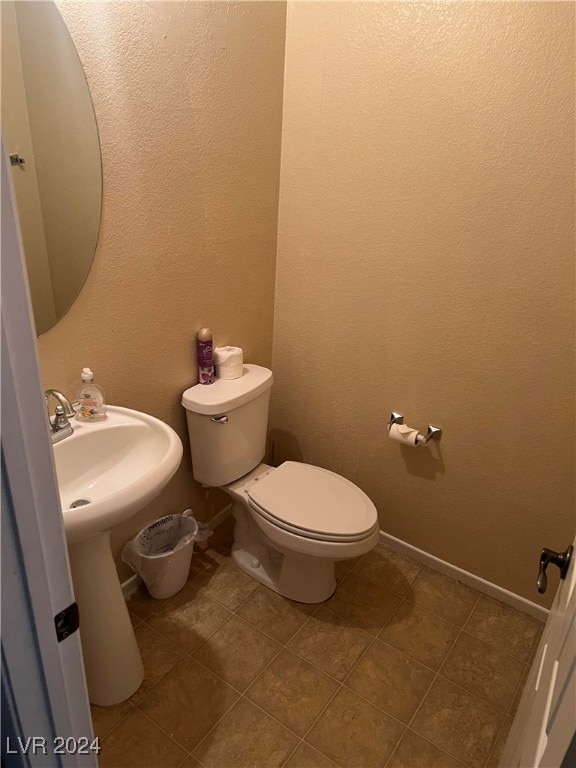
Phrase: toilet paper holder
[432,432]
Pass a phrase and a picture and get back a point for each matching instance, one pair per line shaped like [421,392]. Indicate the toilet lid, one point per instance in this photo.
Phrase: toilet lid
[314,500]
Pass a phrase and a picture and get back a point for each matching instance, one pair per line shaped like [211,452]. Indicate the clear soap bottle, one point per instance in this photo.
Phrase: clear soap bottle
[91,400]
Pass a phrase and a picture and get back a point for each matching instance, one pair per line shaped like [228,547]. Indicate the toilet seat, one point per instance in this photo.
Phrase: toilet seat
[306,534]
[313,503]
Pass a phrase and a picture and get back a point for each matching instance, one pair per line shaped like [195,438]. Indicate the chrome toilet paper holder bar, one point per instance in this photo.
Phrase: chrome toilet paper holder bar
[432,432]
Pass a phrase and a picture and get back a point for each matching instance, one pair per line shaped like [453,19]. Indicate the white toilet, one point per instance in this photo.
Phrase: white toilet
[292,522]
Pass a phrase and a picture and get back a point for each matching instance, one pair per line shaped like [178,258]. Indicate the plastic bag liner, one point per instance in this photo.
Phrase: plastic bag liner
[161,553]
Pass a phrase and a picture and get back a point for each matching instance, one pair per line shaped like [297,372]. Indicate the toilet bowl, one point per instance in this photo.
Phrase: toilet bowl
[293,522]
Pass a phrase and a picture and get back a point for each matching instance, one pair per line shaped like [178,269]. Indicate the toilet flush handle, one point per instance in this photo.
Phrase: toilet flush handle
[220,419]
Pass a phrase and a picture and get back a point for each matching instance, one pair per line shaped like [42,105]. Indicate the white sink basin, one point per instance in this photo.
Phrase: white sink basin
[117,466]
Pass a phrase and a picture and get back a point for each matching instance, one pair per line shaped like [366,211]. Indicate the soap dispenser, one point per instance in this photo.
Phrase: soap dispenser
[92,403]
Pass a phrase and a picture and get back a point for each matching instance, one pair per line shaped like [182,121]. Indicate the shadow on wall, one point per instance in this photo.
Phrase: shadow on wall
[424,461]
[282,446]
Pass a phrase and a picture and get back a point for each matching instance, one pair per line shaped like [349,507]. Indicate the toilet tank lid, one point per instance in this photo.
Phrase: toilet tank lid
[225,394]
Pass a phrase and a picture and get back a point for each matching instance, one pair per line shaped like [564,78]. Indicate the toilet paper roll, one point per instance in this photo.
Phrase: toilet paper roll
[228,362]
[403,434]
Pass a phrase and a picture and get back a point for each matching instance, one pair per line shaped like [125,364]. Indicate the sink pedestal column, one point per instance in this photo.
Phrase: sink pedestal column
[114,669]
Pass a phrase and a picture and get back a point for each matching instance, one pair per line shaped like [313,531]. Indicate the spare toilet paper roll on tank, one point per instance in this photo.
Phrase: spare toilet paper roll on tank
[228,362]
[403,434]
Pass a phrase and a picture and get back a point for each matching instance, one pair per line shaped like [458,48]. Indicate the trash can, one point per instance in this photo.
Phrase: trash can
[161,553]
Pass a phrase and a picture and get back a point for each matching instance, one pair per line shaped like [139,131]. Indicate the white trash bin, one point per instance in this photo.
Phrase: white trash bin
[162,552]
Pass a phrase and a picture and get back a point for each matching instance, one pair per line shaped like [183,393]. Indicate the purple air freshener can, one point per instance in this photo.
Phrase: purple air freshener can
[205,357]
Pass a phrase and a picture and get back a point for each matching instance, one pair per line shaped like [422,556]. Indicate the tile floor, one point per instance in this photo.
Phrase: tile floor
[402,668]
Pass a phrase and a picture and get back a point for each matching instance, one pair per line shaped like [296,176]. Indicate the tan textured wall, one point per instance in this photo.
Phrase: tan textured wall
[66,148]
[18,139]
[188,98]
[426,264]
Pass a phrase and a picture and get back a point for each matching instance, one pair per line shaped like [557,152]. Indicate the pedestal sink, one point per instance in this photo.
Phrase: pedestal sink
[107,471]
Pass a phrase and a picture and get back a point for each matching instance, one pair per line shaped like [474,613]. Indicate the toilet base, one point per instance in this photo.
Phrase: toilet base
[300,578]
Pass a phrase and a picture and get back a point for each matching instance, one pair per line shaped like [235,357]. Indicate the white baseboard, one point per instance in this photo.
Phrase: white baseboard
[219,517]
[130,586]
[492,590]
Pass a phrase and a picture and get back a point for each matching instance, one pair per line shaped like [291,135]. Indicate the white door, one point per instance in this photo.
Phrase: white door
[45,712]
[545,722]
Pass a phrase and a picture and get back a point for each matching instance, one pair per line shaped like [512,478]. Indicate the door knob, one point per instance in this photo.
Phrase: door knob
[559,559]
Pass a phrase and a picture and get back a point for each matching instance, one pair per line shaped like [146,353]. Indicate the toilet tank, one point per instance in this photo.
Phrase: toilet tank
[227,425]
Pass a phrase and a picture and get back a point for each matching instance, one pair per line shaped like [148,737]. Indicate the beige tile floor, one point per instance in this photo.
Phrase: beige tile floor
[402,668]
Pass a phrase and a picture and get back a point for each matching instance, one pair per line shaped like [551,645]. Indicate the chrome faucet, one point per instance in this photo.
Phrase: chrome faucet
[60,427]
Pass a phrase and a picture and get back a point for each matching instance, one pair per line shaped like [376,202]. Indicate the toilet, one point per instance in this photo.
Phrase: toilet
[292,522]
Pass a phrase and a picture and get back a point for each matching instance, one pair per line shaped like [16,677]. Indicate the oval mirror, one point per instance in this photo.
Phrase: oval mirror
[50,133]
